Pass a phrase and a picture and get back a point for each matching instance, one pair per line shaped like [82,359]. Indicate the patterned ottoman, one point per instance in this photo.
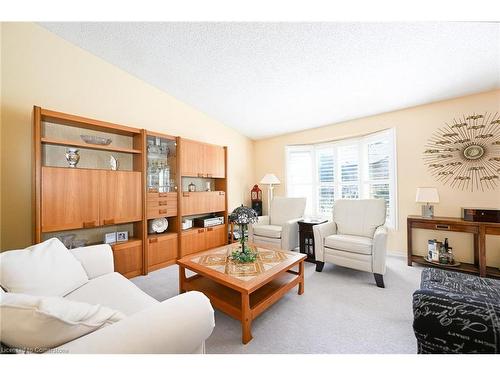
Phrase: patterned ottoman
[456,313]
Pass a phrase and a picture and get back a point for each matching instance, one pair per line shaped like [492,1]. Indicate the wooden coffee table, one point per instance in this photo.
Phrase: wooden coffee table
[243,291]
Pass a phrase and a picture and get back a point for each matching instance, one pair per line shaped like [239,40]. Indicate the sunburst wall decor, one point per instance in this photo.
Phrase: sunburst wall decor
[466,152]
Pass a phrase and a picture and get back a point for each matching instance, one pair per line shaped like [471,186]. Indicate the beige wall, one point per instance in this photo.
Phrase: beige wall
[413,127]
[39,68]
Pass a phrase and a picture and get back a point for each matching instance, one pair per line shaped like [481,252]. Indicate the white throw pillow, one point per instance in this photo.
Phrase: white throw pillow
[36,324]
[45,269]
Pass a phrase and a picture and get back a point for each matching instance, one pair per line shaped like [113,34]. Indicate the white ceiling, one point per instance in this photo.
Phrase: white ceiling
[265,79]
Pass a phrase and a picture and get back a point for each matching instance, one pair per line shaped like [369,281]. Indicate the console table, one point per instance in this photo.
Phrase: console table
[478,229]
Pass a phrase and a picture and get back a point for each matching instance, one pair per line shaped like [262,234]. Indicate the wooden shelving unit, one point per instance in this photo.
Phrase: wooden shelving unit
[67,200]
[202,163]
[149,185]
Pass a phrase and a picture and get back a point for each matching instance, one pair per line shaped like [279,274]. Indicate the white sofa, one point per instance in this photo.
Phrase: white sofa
[178,325]
[280,228]
[356,238]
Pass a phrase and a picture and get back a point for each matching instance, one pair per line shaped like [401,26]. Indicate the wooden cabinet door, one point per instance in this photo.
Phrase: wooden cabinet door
[191,158]
[214,161]
[202,202]
[120,198]
[216,236]
[161,250]
[127,258]
[217,201]
[193,241]
[70,198]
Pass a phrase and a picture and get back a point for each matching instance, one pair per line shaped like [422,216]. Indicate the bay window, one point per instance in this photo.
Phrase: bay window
[362,167]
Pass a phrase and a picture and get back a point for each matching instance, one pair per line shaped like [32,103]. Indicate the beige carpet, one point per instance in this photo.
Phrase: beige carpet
[341,311]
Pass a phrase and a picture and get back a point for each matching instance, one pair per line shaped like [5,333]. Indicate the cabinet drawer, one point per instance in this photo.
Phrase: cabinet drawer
[162,196]
[161,250]
[161,207]
[193,241]
[127,258]
[445,226]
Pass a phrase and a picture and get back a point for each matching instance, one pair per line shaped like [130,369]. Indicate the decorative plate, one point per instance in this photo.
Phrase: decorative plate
[95,140]
[159,225]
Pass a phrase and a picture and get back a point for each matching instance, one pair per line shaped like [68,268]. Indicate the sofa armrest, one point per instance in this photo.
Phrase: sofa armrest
[178,325]
[97,260]
[321,231]
[379,250]
[290,234]
[449,322]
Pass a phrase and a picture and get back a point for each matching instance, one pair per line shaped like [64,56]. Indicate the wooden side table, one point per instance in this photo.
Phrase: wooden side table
[306,238]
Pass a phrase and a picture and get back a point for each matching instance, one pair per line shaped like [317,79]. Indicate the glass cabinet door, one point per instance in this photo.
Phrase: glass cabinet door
[161,156]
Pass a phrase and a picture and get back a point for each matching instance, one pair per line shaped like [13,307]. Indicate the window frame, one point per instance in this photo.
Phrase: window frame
[363,182]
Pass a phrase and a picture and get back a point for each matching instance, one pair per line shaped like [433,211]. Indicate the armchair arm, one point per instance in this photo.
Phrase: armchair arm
[290,234]
[178,325]
[264,220]
[96,260]
[320,232]
[379,250]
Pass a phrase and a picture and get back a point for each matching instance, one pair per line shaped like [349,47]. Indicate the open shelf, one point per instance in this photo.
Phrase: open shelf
[464,267]
[63,142]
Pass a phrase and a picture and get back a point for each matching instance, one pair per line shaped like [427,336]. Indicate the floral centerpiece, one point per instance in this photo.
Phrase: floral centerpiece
[243,216]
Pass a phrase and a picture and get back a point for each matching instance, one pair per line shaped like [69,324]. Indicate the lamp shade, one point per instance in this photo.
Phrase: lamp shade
[269,178]
[427,195]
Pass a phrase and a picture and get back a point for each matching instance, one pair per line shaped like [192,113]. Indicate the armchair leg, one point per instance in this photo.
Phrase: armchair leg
[379,279]
[319,266]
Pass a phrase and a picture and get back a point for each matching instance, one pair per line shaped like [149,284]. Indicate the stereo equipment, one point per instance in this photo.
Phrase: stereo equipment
[490,215]
[208,221]
[187,223]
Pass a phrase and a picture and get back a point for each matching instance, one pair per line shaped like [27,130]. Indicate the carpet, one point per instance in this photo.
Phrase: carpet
[341,311]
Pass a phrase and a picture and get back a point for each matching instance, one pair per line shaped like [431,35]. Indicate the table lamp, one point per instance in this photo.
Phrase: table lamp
[427,195]
[270,179]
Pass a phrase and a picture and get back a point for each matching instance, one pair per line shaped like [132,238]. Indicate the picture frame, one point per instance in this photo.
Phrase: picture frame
[110,237]
[121,236]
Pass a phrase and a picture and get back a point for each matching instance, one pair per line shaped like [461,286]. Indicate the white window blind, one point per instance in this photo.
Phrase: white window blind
[361,167]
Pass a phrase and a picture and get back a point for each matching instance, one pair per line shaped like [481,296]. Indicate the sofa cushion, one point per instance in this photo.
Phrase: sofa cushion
[36,324]
[345,242]
[359,217]
[45,269]
[271,231]
[114,291]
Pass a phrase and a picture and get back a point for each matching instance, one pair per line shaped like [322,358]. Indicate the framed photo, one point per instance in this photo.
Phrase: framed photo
[110,237]
[121,236]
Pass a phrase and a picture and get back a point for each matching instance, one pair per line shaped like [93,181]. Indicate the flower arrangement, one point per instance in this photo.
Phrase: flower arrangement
[243,216]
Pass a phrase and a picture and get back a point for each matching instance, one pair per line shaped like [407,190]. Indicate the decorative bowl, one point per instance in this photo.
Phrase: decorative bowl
[95,140]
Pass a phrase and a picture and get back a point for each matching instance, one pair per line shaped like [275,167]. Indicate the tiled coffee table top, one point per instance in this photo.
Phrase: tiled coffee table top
[219,261]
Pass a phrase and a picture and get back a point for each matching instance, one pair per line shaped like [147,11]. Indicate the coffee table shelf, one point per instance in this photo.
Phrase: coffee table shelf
[242,291]
[229,300]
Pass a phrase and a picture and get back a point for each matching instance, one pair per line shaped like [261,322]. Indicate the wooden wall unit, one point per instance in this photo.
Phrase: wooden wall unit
[207,162]
[72,199]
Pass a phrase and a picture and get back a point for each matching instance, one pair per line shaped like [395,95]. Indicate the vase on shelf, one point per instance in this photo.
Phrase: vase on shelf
[72,156]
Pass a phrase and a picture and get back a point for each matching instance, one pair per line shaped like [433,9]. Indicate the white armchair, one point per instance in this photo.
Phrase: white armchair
[280,229]
[356,238]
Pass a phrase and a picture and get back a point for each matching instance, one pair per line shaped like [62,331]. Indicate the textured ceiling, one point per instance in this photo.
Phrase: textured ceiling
[265,79]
